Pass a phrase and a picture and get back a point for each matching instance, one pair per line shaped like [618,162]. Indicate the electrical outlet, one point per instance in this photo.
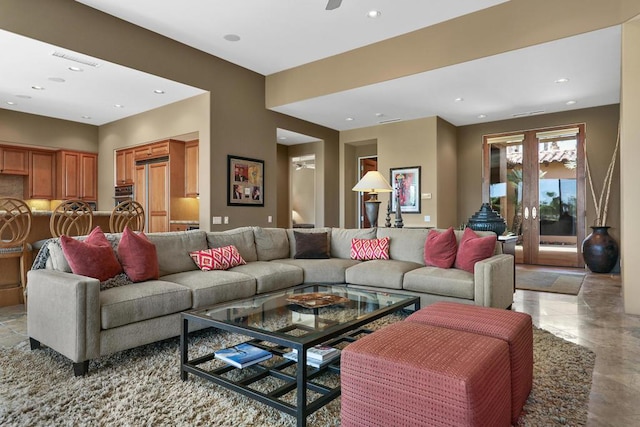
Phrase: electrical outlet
[269,219]
[226,220]
[216,220]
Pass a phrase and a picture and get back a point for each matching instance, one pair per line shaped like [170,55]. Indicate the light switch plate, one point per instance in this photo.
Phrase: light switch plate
[216,220]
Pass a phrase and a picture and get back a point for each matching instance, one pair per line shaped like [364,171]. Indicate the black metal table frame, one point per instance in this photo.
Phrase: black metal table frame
[343,332]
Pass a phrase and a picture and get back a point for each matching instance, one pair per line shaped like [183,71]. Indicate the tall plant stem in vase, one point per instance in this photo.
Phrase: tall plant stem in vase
[601,203]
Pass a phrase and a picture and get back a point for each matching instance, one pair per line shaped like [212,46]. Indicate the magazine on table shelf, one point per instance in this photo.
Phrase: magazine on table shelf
[242,355]
[317,356]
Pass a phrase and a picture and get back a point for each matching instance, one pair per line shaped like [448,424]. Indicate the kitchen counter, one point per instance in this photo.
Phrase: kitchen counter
[185,221]
[48,213]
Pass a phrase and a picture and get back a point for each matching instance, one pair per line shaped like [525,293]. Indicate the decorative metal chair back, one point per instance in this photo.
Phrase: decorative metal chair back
[71,218]
[127,214]
[15,225]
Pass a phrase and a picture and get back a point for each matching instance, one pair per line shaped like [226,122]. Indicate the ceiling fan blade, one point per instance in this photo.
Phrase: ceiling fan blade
[333,4]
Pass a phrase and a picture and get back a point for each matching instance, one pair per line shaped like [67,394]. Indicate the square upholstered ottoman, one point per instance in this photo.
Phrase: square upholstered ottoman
[411,374]
[513,327]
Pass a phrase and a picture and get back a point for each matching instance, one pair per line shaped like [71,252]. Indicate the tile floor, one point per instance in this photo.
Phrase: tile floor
[594,318]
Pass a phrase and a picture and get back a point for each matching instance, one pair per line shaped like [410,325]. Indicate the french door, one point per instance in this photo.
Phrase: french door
[536,180]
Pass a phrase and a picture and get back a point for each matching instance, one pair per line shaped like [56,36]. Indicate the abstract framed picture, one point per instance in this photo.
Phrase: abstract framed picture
[245,181]
[406,188]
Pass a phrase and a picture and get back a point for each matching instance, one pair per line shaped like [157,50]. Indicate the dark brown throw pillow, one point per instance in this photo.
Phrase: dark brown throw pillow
[311,245]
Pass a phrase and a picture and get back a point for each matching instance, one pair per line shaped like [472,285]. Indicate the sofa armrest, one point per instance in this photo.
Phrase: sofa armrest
[493,281]
[63,313]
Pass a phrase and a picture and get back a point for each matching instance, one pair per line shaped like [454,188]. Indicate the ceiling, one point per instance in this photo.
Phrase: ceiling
[276,35]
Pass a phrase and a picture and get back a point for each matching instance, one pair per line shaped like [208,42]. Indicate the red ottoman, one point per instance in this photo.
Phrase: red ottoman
[510,326]
[411,374]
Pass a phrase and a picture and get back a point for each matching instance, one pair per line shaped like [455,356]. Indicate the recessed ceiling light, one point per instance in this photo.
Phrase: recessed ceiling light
[118,105]
[349,119]
[379,114]
[12,103]
[282,138]
[571,102]
[23,96]
[76,69]
[158,91]
[231,37]
[86,117]
[562,80]
[459,99]
[57,79]
[35,87]
[482,116]
[374,14]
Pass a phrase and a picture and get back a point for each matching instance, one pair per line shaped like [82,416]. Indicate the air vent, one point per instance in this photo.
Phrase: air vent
[528,113]
[389,121]
[77,59]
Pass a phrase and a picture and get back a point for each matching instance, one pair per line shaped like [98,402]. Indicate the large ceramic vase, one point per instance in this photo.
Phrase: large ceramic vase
[600,250]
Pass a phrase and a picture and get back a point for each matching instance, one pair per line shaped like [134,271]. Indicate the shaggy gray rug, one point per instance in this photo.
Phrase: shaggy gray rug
[142,386]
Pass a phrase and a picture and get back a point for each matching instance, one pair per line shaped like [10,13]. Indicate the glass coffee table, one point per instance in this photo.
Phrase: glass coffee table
[294,319]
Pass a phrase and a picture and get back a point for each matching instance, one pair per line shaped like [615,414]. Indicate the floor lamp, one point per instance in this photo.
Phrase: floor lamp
[373,183]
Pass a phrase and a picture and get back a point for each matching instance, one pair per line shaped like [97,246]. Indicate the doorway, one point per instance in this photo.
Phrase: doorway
[535,179]
[365,165]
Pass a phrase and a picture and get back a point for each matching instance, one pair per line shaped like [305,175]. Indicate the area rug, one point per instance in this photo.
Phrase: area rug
[546,281]
[142,386]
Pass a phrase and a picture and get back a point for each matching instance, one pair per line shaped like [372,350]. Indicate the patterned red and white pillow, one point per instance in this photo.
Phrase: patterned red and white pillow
[221,258]
[368,249]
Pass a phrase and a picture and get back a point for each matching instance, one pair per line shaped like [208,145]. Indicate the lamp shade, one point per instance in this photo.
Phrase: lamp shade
[373,182]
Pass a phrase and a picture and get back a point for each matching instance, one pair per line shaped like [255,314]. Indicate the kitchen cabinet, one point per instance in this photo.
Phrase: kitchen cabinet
[42,176]
[191,168]
[152,151]
[152,191]
[76,175]
[14,160]
[125,167]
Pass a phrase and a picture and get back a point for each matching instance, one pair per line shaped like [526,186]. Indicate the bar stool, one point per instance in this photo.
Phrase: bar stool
[15,225]
[71,218]
[127,214]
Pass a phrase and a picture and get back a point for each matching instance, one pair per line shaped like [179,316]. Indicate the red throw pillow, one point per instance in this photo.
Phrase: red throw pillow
[473,248]
[440,248]
[217,258]
[138,256]
[367,249]
[92,258]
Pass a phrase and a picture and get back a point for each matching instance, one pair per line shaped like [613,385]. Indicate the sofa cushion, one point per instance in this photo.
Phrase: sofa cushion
[138,256]
[174,247]
[271,276]
[141,301]
[311,245]
[93,257]
[241,238]
[440,248]
[380,273]
[330,270]
[473,248]
[217,258]
[341,240]
[214,287]
[450,282]
[405,244]
[292,238]
[271,243]
[367,249]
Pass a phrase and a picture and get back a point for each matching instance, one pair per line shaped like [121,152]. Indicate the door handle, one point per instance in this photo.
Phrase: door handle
[526,213]
[534,212]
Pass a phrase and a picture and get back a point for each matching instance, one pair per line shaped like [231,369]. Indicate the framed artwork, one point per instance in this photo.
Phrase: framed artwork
[406,186]
[245,181]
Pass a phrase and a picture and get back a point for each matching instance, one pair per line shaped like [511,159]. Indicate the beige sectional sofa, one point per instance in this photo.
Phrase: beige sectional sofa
[73,316]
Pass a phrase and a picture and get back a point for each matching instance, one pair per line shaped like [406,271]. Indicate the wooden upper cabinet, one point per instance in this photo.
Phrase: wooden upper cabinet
[152,151]
[191,168]
[77,175]
[125,167]
[42,168]
[14,160]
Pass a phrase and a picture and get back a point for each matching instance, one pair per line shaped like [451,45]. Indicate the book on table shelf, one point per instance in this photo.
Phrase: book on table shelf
[242,355]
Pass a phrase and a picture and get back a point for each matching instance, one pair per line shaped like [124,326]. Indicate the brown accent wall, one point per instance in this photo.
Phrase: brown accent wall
[601,130]
[447,148]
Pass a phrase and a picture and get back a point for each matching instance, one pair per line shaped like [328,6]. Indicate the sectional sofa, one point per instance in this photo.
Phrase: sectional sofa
[72,315]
